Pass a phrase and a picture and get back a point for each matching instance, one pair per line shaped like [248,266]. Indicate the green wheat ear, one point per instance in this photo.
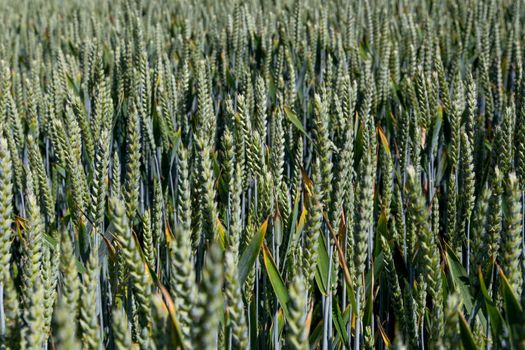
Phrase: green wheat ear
[34,334]
[205,314]
[100,176]
[363,219]
[6,203]
[63,318]
[234,303]
[312,231]
[236,226]
[296,336]
[428,260]
[468,182]
[132,179]
[182,280]
[395,288]
[207,181]
[494,216]
[89,326]
[33,245]
[183,191]
[147,237]
[452,309]
[12,312]
[512,228]
[49,273]
[121,333]
[37,166]
[138,272]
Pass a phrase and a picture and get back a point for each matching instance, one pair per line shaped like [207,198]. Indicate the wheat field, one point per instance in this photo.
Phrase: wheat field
[262,174]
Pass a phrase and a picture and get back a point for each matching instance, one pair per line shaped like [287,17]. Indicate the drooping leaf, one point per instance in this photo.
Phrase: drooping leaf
[513,313]
[512,305]
[458,279]
[248,257]
[383,139]
[280,323]
[296,227]
[279,288]
[340,324]
[292,117]
[496,320]
[323,266]
[467,338]
[50,241]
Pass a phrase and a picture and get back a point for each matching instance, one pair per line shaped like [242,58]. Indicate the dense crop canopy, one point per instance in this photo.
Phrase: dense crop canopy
[262,174]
